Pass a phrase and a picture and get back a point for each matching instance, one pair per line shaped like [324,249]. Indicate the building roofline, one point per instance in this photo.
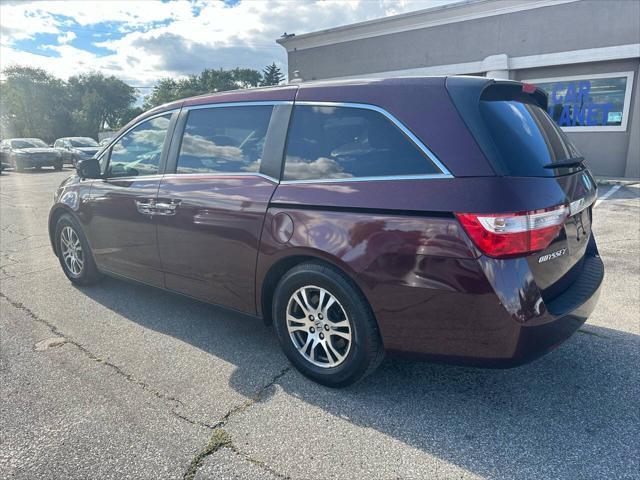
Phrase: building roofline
[443,14]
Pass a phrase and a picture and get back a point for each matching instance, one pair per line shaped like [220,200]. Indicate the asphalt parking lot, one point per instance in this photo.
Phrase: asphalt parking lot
[123,381]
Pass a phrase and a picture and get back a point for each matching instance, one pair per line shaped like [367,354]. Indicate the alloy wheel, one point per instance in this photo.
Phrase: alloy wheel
[72,253]
[319,326]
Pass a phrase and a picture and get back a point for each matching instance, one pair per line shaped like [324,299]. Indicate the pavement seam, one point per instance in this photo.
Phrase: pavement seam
[219,438]
[257,463]
[92,356]
[218,432]
[592,333]
[213,445]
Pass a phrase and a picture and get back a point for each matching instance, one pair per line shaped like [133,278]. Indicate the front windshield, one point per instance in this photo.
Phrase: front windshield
[83,142]
[27,143]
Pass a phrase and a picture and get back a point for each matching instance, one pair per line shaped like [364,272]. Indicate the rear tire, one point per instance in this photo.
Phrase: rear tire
[58,166]
[74,253]
[316,309]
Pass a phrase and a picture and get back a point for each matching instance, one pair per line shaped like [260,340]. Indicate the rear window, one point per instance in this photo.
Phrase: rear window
[526,139]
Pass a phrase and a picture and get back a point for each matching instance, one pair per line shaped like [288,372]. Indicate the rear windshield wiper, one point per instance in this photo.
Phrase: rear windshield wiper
[570,162]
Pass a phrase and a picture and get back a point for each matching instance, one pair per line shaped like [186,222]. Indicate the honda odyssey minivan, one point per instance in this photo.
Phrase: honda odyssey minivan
[441,218]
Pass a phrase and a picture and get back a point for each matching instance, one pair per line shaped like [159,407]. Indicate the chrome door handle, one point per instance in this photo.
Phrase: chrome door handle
[166,208]
[146,207]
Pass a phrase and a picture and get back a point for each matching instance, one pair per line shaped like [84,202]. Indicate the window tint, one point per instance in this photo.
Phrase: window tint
[138,151]
[82,142]
[28,143]
[526,138]
[224,139]
[347,142]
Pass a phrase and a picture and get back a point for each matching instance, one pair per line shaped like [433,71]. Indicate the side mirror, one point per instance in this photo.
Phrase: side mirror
[89,168]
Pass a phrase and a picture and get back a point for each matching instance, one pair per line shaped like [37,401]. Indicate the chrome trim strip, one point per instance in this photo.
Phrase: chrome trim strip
[397,123]
[257,103]
[214,174]
[370,179]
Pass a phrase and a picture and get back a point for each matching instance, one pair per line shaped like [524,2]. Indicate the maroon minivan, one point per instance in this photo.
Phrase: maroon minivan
[445,218]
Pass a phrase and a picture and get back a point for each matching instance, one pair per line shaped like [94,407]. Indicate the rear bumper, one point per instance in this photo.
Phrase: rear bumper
[567,313]
[505,329]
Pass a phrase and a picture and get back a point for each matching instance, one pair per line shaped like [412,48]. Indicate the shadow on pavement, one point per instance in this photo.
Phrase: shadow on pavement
[573,413]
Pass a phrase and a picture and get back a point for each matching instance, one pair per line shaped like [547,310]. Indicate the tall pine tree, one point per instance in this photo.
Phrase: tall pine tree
[271,75]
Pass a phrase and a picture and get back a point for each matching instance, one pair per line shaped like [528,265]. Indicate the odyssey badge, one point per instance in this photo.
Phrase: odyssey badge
[552,255]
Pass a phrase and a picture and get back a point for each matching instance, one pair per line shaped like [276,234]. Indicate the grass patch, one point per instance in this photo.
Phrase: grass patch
[219,438]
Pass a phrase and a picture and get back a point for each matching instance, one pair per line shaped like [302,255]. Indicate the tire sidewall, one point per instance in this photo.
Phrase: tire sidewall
[356,362]
[18,165]
[68,221]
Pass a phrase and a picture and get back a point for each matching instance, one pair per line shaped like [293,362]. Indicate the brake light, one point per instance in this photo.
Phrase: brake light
[505,235]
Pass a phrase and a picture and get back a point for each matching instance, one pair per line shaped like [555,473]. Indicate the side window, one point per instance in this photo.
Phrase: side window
[349,142]
[224,139]
[57,144]
[138,151]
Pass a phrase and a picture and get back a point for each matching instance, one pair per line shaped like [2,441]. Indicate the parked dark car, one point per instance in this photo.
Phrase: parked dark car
[438,218]
[22,153]
[74,149]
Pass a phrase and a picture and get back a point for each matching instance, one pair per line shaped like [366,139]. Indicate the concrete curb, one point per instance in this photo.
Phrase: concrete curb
[616,181]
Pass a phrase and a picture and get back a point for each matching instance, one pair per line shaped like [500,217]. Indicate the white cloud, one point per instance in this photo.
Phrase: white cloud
[195,35]
[66,37]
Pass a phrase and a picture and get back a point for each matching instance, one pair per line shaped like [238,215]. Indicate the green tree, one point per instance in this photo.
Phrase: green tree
[271,75]
[98,102]
[126,116]
[207,81]
[33,103]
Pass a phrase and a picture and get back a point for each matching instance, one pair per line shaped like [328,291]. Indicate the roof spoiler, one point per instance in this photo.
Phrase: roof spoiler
[473,89]
[467,92]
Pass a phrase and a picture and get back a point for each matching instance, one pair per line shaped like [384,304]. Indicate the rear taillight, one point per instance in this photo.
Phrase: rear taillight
[511,234]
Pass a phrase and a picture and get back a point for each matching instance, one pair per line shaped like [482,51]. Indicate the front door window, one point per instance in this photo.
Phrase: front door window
[138,152]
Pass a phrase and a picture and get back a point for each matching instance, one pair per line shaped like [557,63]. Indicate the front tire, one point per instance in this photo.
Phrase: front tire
[18,165]
[74,253]
[325,325]
[58,166]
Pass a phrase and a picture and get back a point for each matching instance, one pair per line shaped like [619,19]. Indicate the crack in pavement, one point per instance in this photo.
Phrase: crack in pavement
[126,375]
[257,463]
[594,334]
[26,274]
[218,432]
[213,445]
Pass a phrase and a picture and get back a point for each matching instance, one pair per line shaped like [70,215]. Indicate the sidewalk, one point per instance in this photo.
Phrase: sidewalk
[617,181]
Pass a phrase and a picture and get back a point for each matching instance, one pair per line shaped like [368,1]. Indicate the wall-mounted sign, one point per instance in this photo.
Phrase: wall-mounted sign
[589,102]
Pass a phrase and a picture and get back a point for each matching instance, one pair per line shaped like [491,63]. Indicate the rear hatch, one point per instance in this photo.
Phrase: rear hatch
[519,139]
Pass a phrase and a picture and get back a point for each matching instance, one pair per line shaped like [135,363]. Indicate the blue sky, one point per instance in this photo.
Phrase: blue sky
[143,41]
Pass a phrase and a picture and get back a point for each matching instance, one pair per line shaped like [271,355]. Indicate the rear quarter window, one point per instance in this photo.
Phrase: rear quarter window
[347,142]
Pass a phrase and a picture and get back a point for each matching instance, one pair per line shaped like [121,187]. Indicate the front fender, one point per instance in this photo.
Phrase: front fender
[68,198]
